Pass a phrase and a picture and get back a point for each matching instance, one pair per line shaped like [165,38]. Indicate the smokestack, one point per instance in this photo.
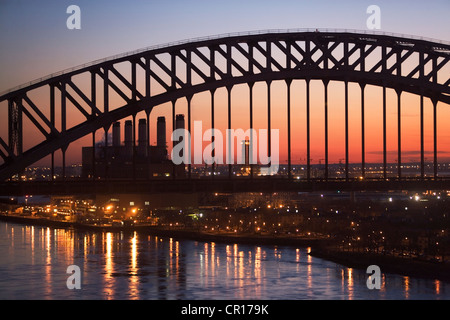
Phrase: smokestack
[179,124]
[129,138]
[161,132]
[142,138]
[246,152]
[116,134]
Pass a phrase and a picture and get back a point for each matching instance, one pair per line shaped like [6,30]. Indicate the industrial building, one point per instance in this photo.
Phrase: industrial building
[132,158]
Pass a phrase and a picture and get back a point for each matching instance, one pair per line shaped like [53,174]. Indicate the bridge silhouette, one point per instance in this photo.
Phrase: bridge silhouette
[181,70]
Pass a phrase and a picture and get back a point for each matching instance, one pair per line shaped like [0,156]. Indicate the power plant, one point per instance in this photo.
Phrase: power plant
[135,157]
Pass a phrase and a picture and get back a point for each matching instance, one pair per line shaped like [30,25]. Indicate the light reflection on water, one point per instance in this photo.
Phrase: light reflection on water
[34,260]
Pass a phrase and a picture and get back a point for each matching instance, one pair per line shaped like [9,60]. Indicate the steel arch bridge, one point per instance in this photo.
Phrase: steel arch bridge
[181,70]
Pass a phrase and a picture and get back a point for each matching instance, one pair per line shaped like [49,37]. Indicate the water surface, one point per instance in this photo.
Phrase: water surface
[34,261]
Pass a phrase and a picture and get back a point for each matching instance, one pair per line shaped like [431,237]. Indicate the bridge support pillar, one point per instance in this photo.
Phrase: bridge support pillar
[288,84]
[230,166]
[384,134]
[174,171]
[346,133]
[422,147]
[308,132]
[213,155]
[252,145]
[147,114]
[435,157]
[399,134]
[363,131]
[93,156]
[269,126]
[94,103]
[189,150]
[52,122]
[325,83]
[106,148]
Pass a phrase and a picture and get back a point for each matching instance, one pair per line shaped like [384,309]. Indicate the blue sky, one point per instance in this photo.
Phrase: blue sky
[36,42]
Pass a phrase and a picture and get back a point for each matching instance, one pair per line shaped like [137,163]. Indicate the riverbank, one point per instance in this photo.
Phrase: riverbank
[172,233]
[388,264]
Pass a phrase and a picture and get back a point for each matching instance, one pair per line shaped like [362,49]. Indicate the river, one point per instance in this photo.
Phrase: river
[34,262]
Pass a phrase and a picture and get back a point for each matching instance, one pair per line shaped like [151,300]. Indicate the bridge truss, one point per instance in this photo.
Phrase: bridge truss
[154,76]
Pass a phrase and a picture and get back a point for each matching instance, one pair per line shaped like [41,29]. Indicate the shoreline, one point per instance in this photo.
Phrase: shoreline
[172,233]
[319,247]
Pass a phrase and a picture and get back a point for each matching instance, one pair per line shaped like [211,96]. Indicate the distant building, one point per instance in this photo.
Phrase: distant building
[133,158]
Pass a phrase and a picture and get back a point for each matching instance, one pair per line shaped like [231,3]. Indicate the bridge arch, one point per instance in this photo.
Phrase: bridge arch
[244,58]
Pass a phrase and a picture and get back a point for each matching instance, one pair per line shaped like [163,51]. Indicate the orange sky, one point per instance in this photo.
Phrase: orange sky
[240,119]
